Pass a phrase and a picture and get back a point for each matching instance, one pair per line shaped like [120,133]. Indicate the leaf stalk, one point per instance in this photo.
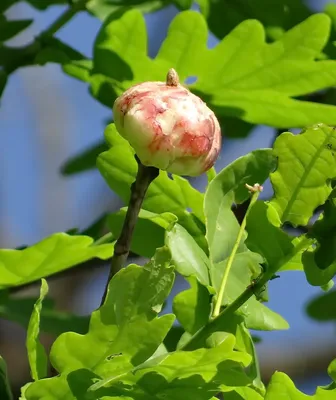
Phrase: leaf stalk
[255,190]
[216,323]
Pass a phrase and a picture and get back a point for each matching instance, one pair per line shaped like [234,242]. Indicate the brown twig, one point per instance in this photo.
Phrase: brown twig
[139,188]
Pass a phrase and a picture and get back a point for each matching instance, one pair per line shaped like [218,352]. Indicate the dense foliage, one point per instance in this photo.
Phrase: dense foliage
[273,65]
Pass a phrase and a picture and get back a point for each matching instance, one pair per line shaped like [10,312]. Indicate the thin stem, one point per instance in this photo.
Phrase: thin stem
[139,188]
[229,264]
[26,55]
[64,18]
[107,238]
[216,322]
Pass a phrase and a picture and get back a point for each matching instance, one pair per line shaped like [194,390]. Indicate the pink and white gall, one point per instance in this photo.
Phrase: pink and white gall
[169,127]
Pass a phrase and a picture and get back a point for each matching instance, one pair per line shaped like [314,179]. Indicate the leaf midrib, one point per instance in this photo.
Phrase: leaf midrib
[304,176]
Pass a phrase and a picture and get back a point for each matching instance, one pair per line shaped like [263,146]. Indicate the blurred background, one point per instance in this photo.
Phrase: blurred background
[47,117]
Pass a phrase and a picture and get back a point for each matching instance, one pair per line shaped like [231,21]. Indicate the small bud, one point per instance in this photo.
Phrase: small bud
[255,188]
[172,78]
[168,126]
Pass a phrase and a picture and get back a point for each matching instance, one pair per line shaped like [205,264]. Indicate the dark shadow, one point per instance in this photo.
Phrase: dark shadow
[109,63]
[79,382]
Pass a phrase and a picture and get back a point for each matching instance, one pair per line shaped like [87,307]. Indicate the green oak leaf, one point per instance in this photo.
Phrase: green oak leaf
[256,314]
[5,4]
[282,387]
[18,309]
[176,195]
[243,393]
[267,239]
[315,275]
[245,340]
[322,307]
[324,230]
[84,161]
[149,232]
[37,356]
[10,57]
[80,69]
[332,370]
[9,29]
[124,332]
[306,165]
[281,15]
[262,89]
[51,255]
[55,51]
[114,9]
[188,258]
[183,4]
[5,388]
[234,324]
[184,375]
[250,79]
[222,231]
[226,188]
[192,306]
[330,49]
[173,337]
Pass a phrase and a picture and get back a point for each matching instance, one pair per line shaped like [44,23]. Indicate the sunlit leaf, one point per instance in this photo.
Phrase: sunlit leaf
[243,393]
[189,259]
[123,333]
[80,69]
[245,343]
[114,9]
[227,188]
[332,370]
[53,254]
[222,231]
[37,356]
[250,79]
[187,375]
[256,314]
[306,164]
[281,387]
